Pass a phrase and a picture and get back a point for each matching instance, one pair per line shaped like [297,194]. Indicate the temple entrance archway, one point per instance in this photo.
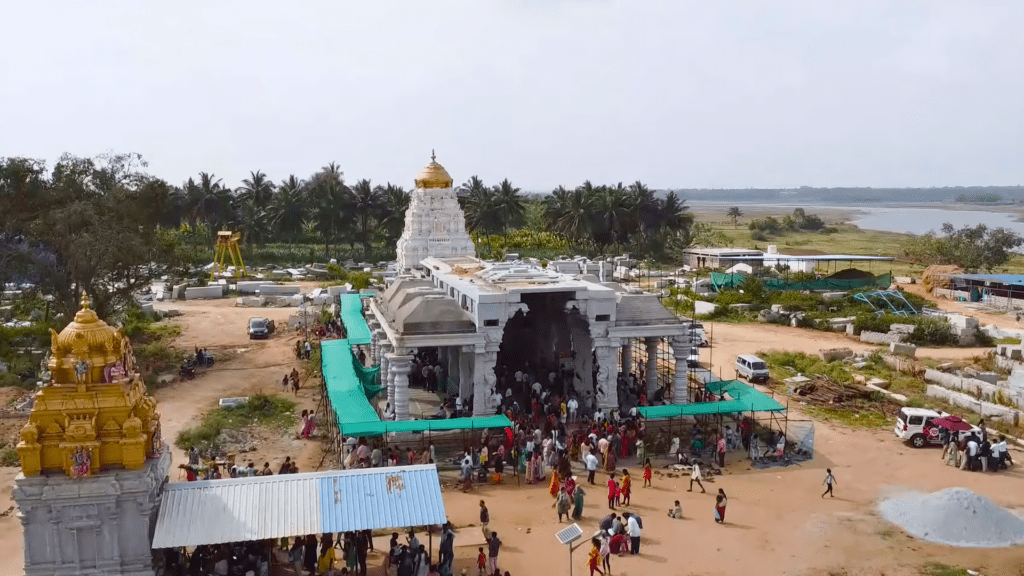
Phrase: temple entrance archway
[550,344]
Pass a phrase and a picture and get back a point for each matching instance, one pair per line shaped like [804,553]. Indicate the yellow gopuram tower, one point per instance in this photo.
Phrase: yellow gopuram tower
[94,413]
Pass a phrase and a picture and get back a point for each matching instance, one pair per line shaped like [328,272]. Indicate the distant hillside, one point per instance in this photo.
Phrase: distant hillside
[845,196]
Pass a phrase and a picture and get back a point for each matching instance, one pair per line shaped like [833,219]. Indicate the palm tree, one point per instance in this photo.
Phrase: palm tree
[287,210]
[330,200]
[734,214]
[480,205]
[610,214]
[676,221]
[256,190]
[209,201]
[394,203]
[366,206]
[573,213]
[508,206]
[255,222]
[644,208]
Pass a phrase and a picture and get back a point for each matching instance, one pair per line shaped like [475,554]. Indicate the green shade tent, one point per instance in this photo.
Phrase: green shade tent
[378,428]
[735,281]
[743,399]
[348,394]
[352,318]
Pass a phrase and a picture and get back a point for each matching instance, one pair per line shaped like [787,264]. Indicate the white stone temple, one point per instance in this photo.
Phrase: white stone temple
[480,315]
[434,223]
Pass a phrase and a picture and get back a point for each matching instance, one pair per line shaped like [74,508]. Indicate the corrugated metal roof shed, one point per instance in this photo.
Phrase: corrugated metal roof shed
[1014,279]
[264,507]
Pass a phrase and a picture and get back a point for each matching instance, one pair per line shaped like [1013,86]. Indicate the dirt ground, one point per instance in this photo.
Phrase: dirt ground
[776,523]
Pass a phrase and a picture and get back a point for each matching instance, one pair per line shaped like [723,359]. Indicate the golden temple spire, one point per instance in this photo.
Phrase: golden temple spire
[85,300]
[433,175]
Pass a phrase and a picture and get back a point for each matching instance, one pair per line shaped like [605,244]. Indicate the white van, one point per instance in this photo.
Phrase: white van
[752,368]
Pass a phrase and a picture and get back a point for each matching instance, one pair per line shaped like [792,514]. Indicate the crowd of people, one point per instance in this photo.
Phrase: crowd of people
[195,469]
[975,452]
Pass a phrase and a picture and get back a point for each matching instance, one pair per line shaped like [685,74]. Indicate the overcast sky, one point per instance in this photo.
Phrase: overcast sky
[543,92]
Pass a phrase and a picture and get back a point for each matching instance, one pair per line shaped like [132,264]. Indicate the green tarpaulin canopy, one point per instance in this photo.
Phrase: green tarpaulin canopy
[352,317]
[378,428]
[721,280]
[743,399]
[348,393]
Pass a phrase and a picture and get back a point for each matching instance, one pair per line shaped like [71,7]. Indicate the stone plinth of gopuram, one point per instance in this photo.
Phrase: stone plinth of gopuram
[93,460]
[99,524]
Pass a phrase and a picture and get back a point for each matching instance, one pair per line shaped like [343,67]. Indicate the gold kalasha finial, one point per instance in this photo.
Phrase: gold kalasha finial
[85,300]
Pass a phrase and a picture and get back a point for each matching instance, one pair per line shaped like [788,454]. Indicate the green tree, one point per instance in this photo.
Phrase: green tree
[508,206]
[83,228]
[971,247]
[287,210]
[257,190]
[366,209]
[394,203]
[734,214]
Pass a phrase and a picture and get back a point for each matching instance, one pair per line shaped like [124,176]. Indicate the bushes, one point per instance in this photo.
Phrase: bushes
[259,410]
[805,364]
[928,331]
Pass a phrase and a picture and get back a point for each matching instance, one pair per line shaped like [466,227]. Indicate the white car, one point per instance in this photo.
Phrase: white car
[914,425]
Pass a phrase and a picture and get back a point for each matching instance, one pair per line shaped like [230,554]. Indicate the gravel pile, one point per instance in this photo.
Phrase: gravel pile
[955,516]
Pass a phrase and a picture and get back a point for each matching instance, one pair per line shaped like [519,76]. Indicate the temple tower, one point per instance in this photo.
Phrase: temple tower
[434,223]
[92,458]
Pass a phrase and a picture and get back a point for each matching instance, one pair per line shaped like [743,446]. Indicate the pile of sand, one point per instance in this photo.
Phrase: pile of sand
[932,277]
[955,516]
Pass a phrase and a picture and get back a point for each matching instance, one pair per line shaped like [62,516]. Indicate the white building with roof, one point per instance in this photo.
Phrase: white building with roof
[481,315]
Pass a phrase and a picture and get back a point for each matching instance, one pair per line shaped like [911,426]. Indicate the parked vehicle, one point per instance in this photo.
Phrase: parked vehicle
[693,360]
[187,370]
[260,328]
[752,368]
[914,425]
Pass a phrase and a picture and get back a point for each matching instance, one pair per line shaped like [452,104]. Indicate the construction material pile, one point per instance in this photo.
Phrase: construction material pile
[934,276]
[956,517]
[827,393]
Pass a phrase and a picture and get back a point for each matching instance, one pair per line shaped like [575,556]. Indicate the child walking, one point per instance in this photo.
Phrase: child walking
[595,557]
[829,481]
[647,472]
[481,561]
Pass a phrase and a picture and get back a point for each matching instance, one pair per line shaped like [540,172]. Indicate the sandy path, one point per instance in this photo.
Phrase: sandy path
[777,522]
[244,367]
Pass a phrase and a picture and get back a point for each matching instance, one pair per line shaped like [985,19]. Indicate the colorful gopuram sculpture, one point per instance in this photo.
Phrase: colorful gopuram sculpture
[93,414]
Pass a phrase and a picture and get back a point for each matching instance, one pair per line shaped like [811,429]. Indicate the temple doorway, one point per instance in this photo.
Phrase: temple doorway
[550,345]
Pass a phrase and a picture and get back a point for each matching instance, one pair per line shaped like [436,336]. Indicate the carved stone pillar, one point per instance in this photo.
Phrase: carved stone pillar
[382,339]
[453,367]
[466,375]
[652,364]
[627,356]
[484,380]
[385,380]
[680,382]
[373,343]
[400,366]
[605,390]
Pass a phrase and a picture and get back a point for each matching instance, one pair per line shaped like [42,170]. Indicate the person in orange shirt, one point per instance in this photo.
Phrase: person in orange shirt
[647,473]
[627,485]
[595,557]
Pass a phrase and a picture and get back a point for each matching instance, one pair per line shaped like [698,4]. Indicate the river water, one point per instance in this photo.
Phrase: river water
[921,220]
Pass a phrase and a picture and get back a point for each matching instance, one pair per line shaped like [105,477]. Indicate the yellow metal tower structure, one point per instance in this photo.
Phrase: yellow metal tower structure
[227,244]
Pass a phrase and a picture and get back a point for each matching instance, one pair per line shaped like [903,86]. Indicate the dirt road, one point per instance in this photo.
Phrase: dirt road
[730,340]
